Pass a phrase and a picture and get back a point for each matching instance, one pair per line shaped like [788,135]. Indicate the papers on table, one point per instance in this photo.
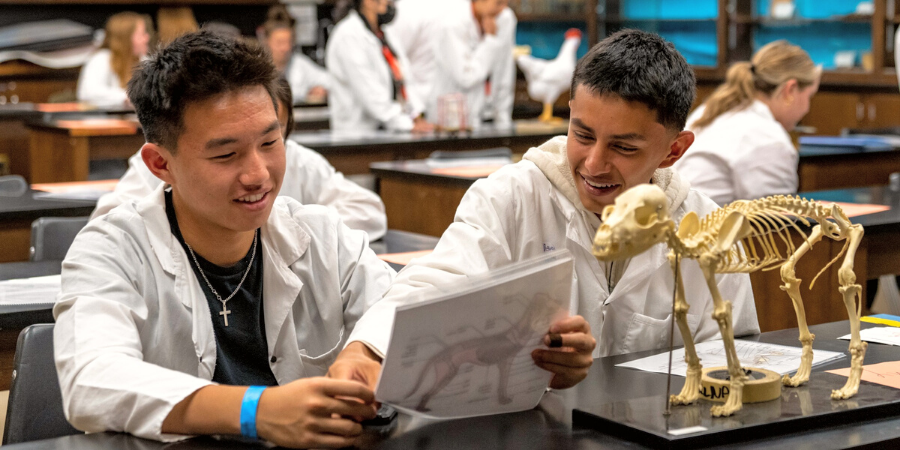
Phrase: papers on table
[858,209]
[777,358]
[881,335]
[886,373]
[467,352]
[30,291]
[79,190]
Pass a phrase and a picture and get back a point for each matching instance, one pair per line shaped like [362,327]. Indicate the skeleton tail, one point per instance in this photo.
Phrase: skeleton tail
[843,250]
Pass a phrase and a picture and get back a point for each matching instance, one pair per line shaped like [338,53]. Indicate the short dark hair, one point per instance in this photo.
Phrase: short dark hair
[285,99]
[194,67]
[641,67]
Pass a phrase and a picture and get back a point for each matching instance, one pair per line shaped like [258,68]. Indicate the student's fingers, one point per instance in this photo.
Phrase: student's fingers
[573,360]
[564,377]
[348,408]
[336,426]
[345,388]
[571,324]
[322,441]
[580,342]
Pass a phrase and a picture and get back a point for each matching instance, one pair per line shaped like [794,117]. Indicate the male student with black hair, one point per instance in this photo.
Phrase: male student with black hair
[172,305]
[630,98]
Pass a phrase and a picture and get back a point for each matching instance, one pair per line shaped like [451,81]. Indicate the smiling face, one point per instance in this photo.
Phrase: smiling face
[614,144]
[229,162]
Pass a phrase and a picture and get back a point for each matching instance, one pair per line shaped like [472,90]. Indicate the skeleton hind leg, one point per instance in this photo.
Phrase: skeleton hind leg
[792,287]
[851,292]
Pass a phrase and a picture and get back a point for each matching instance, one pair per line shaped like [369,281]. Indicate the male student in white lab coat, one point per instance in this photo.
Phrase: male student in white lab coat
[308,178]
[471,43]
[172,306]
[631,96]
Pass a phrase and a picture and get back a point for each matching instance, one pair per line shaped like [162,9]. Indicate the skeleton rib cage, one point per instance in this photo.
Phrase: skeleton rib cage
[766,243]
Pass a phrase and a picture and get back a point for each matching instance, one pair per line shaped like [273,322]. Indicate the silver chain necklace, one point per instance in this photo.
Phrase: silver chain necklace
[225,311]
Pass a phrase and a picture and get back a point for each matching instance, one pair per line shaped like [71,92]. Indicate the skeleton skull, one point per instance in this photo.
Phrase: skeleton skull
[638,220]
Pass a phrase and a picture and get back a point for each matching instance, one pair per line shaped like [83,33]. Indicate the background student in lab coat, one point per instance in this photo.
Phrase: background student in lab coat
[370,71]
[172,306]
[630,97]
[104,76]
[743,150]
[309,81]
[308,178]
[472,48]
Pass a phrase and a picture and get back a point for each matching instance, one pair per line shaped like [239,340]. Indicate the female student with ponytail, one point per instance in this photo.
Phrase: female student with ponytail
[742,148]
[104,76]
[369,91]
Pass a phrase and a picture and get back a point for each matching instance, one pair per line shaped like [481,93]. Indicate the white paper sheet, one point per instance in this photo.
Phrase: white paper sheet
[880,335]
[30,291]
[777,358]
[468,353]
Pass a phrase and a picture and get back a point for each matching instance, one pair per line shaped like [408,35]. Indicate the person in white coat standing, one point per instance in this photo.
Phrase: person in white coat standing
[370,72]
[214,307]
[743,150]
[630,97]
[472,49]
[104,76]
[308,178]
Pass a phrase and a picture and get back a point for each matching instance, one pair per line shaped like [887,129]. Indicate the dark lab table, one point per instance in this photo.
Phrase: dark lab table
[549,425]
[17,213]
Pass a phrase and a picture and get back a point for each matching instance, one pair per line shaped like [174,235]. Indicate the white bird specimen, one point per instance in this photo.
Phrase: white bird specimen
[547,80]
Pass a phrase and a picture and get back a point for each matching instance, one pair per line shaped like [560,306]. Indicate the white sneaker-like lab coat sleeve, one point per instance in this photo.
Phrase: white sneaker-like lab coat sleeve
[503,75]
[466,66]
[303,74]
[106,384]
[362,95]
[98,84]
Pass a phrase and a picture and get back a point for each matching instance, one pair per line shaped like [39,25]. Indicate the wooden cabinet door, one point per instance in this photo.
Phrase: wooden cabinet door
[830,112]
[882,110]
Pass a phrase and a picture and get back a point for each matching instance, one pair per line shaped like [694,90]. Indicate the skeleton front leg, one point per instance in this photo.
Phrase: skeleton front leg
[691,390]
[722,315]
[851,292]
[792,287]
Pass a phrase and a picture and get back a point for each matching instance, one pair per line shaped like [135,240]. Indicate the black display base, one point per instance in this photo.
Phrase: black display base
[804,408]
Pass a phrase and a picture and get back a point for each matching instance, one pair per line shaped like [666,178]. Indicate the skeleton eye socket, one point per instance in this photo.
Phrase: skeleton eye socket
[607,211]
[644,214]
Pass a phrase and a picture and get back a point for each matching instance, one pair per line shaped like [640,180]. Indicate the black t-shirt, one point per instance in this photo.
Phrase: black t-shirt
[241,347]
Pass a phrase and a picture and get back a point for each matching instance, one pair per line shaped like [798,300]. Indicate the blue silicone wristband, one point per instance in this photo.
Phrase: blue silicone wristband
[248,410]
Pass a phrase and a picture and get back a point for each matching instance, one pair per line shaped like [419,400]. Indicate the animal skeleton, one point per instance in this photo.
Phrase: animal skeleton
[741,237]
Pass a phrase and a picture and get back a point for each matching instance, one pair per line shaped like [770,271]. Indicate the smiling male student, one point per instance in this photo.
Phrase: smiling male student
[630,97]
[172,305]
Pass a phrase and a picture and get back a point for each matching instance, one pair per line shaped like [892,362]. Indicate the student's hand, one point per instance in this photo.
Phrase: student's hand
[489,25]
[571,360]
[422,126]
[316,94]
[357,363]
[314,413]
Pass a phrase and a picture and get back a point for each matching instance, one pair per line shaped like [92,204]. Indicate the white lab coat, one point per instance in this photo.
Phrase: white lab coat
[303,74]
[308,178]
[134,334]
[98,84]
[464,60]
[742,155]
[522,211]
[362,95]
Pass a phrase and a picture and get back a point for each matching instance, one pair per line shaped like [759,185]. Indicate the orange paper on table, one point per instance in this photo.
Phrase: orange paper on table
[468,172]
[858,209]
[403,258]
[100,126]
[61,107]
[886,373]
[99,185]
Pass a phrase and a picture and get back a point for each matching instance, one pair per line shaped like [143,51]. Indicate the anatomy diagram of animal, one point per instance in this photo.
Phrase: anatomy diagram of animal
[742,237]
[497,349]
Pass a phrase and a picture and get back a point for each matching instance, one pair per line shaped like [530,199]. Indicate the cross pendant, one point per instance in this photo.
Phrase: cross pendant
[225,312]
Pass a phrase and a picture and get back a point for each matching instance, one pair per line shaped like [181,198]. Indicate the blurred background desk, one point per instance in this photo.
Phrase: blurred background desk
[846,169]
[352,153]
[17,213]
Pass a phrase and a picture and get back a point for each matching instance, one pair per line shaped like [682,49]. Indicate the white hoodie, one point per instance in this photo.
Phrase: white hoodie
[532,207]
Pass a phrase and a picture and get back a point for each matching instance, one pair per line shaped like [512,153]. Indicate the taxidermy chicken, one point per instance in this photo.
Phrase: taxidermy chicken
[547,80]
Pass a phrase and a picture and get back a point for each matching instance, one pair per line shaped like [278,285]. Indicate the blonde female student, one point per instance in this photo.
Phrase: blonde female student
[104,76]
[742,148]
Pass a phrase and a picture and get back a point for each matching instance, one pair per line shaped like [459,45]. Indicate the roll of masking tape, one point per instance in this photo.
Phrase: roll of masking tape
[761,386]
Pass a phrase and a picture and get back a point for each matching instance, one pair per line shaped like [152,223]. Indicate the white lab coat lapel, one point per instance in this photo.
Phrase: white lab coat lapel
[283,245]
[174,261]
